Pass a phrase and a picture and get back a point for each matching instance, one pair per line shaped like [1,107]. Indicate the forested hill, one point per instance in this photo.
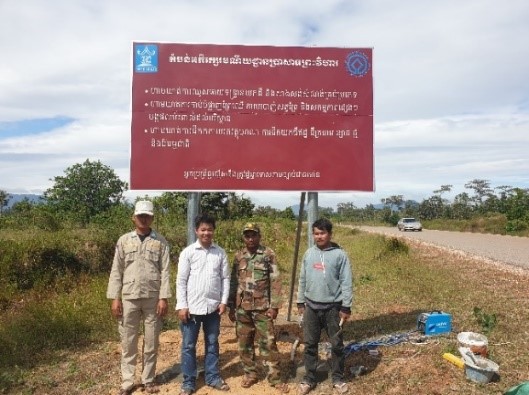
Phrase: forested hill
[15,198]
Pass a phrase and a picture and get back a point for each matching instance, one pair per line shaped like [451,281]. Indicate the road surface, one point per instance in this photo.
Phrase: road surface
[512,250]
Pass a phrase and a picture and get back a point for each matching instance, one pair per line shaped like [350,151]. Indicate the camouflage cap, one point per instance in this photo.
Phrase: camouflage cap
[251,227]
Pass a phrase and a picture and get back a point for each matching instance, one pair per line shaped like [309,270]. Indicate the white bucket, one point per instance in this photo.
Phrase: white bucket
[476,342]
[481,372]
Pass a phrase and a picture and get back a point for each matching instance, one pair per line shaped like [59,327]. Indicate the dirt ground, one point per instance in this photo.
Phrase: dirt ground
[286,333]
[97,369]
[405,368]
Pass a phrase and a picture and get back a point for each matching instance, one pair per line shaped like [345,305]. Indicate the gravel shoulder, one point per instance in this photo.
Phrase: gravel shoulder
[509,250]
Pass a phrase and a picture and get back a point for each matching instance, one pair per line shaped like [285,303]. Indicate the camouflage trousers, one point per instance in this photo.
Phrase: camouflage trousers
[249,324]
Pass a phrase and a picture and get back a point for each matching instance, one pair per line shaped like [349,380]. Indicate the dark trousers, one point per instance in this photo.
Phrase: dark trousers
[313,323]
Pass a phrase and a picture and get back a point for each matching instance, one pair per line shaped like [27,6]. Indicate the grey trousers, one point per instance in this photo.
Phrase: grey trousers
[134,312]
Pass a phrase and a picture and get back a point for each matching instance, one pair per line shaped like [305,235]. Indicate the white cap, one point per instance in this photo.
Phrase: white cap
[144,207]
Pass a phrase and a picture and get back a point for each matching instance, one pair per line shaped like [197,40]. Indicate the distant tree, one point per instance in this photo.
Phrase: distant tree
[481,190]
[215,203]
[288,213]
[266,211]
[445,208]
[387,215]
[443,189]
[4,199]
[23,206]
[239,206]
[518,205]
[505,192]
[86,190]
[462,206]
[346,210]
[368,213]
[171,203]
[431,208]
[221,205]
[326,212]
[411,208]
[398,201]
[393,201]
[28,213]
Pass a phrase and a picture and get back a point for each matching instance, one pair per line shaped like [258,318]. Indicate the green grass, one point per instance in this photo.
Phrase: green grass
[55,321]
[495,224]
[394,282]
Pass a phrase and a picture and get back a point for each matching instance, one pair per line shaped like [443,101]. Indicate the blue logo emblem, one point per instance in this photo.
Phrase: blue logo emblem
[357,64]
[146,59]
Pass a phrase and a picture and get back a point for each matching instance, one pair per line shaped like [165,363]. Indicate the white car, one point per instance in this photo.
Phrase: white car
[405,224]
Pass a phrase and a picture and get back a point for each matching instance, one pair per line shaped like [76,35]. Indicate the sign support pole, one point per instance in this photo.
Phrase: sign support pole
[193,206]
[312,215]
[296,254]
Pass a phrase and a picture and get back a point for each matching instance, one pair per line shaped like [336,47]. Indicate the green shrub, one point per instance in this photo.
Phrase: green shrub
[516,225]
[57,321]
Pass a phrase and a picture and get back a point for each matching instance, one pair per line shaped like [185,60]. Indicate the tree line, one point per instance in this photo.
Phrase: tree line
[91,192]
[480,201]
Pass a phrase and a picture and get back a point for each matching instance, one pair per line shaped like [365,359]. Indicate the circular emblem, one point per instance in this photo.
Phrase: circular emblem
[357,64]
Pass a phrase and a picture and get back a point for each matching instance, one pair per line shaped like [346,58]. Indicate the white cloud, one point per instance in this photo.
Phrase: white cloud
[450,79]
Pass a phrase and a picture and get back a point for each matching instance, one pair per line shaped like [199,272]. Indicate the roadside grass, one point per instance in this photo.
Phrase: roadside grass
[56,339]
[495,224]
[394,284]
[68,310]
[489,223]
[48,322]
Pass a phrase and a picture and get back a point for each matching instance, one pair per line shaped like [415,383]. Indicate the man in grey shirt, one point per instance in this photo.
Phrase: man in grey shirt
[325,297]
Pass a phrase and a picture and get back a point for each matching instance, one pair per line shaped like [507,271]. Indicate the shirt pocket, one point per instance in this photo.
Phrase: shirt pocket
[128,287]
[242,270]
[131,252]
[261,279]
[153,250]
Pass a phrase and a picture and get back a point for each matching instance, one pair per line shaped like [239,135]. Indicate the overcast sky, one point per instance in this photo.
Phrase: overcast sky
[451,83]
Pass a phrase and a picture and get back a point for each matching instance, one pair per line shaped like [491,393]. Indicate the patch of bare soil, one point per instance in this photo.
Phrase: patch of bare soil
[231,371]
[96,371]
[405,368]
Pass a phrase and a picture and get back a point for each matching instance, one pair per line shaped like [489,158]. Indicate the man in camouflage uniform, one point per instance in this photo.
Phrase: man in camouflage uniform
[254,301]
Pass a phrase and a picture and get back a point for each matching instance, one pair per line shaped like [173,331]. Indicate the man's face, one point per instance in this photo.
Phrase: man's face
[204,234]
[322,238]
[142,222]
[251,240]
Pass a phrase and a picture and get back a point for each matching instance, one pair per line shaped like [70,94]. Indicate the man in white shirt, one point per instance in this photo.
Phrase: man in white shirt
[202,289]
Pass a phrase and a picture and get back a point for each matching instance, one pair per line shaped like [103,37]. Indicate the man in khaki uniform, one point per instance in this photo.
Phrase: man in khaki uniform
[139,289]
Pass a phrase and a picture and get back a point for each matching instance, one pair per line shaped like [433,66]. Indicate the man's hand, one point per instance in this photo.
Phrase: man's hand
[161,308]
[116,308]
[301,310]
[183,315]
[344,316]
[221,309]
[272,313]
[231,315]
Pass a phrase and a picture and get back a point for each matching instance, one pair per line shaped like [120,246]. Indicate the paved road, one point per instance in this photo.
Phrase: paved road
[512,250]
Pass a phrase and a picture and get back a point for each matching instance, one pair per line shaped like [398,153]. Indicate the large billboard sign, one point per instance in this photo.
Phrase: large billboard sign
[233,117]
